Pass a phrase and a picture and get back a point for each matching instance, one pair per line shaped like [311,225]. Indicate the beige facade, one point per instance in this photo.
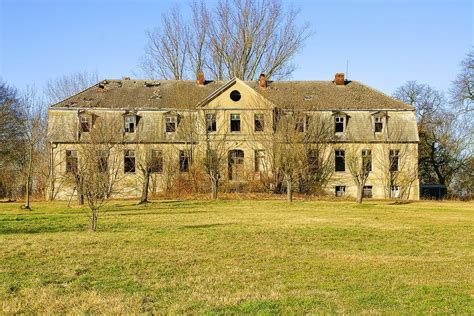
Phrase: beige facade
[175,122]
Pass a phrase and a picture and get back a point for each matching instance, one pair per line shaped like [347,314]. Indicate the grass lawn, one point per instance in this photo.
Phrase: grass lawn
[239,257]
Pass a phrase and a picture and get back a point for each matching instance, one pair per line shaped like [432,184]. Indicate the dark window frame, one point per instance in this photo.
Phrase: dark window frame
[72,161]
[130,123]
[235,124]
[367,160]
[156,161]
[103,161]
[378,124]
[339,123]
[340,190]
[171,120]
[367,191]
[129,161]
[211,122]
[340,160]
[394,159]
[259,122]
[85,123]
[184,161]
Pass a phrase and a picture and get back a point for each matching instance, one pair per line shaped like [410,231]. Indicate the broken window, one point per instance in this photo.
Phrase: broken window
[367,160]
[340,161]
[156,163]
[259,160]
[340,190]
[259,122]
[71,161]
[129,161]
[103,163]
[211,122]
[235,122]
[378,124]
[394,159]
[367,191]
[130,123]
[171,124]
[313,158]
[339,127]
[183,161]
[84,123]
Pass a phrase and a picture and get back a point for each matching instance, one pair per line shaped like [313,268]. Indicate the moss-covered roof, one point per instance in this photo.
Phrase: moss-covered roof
[172,94]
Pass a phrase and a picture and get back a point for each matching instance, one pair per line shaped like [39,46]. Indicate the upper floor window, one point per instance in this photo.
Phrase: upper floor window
[235,122]
[156,163]
[378,124]
[367,160]
[85,123]
[130,123]
[71,161]
[339,124]
[259,122]
[394,159]
[183,161]
[340,160]
[211,122]
[129,161]
[300,124]
[171,124]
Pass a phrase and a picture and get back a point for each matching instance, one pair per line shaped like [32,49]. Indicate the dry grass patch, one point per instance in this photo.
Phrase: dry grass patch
[238,257]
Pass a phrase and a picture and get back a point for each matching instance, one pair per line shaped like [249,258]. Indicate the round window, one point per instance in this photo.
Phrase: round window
[235,96]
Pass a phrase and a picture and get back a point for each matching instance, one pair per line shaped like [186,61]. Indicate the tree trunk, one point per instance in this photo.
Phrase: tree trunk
[214,187]
[28,178]
[359,194]
[146,185]
[80,196]
[289,189]
[94,220]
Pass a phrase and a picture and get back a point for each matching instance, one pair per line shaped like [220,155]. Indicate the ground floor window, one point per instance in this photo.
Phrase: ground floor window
[395,191]
[236,165]
[340,190]
[183,161]
[259,160]
[367,192]
[103,163]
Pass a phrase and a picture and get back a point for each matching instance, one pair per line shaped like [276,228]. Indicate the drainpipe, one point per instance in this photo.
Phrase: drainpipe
[51,171]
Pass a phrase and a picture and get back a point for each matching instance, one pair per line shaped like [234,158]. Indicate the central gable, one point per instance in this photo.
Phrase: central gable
[236,94]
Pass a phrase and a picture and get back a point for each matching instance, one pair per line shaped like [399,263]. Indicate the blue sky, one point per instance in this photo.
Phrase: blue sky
[386,42]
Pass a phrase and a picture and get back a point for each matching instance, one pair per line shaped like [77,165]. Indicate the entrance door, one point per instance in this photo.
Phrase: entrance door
[236,165]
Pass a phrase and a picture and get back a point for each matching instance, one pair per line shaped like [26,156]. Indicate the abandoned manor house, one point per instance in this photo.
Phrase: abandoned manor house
[334,137]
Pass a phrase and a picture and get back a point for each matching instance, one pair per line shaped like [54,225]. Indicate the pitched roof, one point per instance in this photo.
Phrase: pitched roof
[173,94]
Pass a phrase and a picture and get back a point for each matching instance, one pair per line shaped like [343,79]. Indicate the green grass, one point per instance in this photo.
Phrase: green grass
[257,257]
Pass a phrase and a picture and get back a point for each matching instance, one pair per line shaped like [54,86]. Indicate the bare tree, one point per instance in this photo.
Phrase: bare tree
[167,47]
[101,153]
[443,140]
[358,160]
[33,130]
[61,88]
[462,90]
[10,137]
[237,38]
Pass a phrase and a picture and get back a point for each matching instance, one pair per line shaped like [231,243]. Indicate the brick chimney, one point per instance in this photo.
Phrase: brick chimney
[339,79]
[200,78]
[262,81]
